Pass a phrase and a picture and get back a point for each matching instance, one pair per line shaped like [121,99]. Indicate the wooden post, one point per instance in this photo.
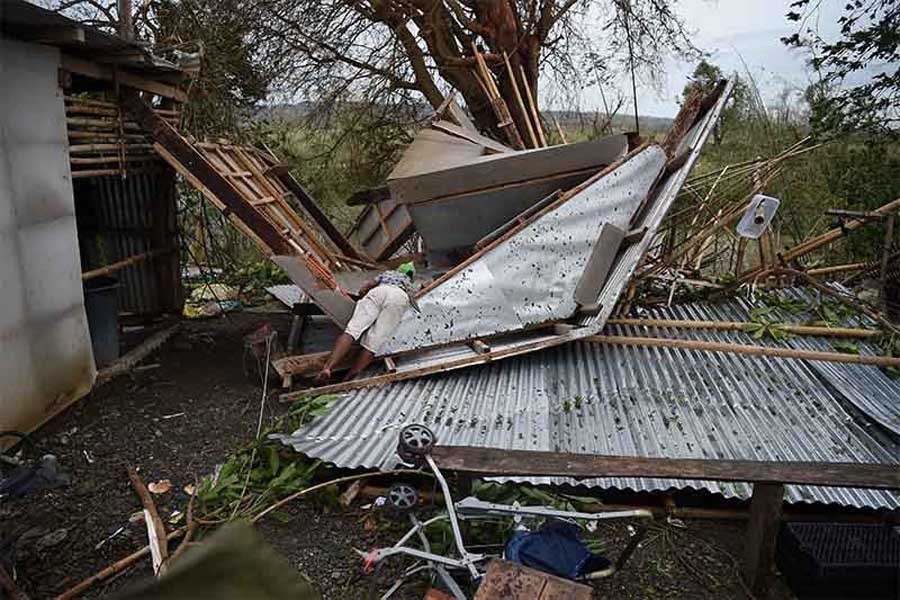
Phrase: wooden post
[739,261]
[762,535]
[888,241]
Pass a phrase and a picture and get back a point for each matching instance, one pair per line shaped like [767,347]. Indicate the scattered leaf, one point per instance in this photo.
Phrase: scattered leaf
[160,487]
[189,489]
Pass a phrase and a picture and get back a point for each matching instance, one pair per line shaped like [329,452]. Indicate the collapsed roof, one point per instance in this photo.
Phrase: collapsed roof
[518,241]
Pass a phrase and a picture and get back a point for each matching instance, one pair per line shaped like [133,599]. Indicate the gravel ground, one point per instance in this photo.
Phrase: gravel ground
[178,420]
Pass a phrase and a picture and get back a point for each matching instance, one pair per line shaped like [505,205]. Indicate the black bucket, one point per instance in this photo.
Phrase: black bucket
[101,306]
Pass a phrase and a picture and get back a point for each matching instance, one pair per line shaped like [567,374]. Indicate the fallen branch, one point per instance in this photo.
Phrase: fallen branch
[135,355]
[9,586]
[842,332]
[114,568]
[326,484]
[775,352]
[156,531]
[840,297]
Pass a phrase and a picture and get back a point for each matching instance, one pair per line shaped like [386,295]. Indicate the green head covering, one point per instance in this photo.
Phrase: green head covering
[407,269]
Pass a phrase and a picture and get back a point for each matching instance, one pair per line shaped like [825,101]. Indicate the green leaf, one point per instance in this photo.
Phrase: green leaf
[846,347]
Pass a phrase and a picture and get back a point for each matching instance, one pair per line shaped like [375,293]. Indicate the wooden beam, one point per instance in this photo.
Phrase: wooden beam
[746,349]
[844,332]
[762,536]
[321,219]
[495,461]
[86,68]
[368,196]
[886,253]
[121,264]
[135,355]
[855,214]
[72,35]
[184,157]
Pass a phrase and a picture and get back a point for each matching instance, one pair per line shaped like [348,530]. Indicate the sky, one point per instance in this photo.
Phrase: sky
[733,32]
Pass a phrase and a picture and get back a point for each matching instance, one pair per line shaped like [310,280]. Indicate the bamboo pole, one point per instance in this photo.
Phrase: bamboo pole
[116,567]
[521,105]
[831,235]
[91,148]
[99,160]
[531,105]
[120,264]
[842,332]
[837,268]
[748,350]
[108,172]
[559,131]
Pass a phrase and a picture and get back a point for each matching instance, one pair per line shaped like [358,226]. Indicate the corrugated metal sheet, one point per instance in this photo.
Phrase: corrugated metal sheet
[116,221]
[288,294]
[629,401]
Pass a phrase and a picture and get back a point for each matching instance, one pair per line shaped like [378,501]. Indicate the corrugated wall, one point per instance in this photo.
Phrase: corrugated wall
[118,218]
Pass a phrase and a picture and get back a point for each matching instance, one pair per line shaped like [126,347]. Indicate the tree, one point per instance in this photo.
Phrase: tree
[410,49]
[397,53]
[705,77]
[238,62]
[867,49]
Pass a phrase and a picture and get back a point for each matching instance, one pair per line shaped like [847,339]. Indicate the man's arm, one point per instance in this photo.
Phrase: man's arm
[367,287]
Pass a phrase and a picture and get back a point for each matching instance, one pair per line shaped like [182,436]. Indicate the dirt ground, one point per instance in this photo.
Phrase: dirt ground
[179,420]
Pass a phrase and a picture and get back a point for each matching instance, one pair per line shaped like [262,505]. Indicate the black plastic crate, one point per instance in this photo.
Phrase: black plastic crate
[840,560]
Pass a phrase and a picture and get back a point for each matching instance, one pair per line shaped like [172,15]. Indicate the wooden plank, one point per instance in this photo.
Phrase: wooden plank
[506,580]
[495,461]
[598,265]
[503,169]
[471,136]
[325,254]
[310,206]
[746,349]
[762,535]
[93,70]
[190,159]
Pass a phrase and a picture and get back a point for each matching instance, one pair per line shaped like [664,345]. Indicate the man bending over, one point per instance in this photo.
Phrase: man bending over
[376,316]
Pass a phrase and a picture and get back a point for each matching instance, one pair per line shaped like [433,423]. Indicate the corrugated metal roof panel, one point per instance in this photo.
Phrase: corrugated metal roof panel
[634,401]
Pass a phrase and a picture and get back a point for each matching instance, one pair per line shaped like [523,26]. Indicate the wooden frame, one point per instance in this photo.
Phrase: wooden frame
[768,479]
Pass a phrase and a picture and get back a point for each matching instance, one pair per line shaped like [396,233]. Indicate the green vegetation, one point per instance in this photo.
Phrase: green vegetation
[261,472]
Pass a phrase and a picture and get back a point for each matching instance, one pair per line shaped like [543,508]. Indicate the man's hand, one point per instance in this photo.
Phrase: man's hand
[324,376]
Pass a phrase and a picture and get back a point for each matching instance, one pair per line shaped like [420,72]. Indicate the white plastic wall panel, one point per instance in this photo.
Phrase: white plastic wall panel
[531,277]
[46,360]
